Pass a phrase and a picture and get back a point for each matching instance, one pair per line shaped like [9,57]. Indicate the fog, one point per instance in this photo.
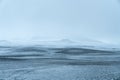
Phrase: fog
[59,19]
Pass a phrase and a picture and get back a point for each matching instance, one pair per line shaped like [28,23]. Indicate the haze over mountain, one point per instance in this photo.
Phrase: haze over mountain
[59,19]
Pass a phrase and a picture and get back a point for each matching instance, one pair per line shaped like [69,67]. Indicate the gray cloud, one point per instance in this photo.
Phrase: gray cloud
[46,19]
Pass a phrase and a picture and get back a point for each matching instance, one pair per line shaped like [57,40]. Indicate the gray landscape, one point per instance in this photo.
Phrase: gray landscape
[58,63]
[59,39]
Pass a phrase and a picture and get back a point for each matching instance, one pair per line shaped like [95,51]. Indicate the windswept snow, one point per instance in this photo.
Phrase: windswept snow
[56,62]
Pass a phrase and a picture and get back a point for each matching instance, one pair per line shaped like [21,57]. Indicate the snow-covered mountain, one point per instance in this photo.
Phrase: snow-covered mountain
[61,43]
[5,43]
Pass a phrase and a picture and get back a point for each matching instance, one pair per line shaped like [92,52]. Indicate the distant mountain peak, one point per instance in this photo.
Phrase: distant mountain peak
[66,41]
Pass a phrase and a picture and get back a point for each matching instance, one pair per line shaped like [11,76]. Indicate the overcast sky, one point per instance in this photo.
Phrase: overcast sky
[58,19]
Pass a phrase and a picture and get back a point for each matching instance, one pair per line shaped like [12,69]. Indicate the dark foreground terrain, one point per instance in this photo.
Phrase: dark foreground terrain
[44,63]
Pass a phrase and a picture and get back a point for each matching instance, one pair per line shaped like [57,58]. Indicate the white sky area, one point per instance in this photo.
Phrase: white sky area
[60,19]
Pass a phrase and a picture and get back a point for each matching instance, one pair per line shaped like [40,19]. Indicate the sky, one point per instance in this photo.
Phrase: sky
[60,19]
